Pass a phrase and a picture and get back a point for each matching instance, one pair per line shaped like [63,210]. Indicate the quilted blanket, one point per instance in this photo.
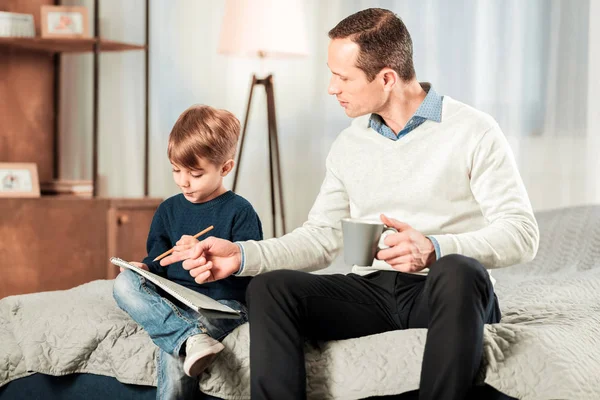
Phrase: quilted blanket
[546,346]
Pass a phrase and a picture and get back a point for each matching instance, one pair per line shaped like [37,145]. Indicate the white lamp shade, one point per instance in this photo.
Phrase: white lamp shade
[269,28]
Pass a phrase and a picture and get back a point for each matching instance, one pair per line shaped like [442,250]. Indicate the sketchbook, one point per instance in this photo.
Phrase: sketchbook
[205,305]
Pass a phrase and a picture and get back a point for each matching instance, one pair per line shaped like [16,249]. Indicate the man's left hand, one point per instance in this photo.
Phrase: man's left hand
[409,251]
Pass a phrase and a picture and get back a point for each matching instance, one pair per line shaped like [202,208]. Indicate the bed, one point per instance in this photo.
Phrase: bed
[546,346]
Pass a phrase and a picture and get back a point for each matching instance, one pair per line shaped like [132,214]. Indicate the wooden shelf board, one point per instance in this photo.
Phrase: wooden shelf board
[60,45]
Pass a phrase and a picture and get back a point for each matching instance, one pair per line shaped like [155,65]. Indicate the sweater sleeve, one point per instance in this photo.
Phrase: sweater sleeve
[511,235]
[158,242]
[246,225]
[312,246]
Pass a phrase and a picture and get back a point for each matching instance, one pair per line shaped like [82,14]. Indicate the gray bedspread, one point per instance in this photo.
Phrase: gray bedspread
[547,345]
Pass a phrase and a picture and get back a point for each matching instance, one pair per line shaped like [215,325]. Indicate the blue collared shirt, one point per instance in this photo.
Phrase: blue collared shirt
[430,109]
[243,259]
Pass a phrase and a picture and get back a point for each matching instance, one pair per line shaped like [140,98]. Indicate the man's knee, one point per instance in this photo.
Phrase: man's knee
[456,272]
[271,285]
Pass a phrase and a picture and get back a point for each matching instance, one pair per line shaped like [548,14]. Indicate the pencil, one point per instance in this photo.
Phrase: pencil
[166,253]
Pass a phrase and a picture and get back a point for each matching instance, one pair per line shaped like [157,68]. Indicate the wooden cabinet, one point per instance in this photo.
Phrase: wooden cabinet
[57,243]
[128,223]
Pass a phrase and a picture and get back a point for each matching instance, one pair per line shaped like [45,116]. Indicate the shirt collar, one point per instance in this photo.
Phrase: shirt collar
[430,108]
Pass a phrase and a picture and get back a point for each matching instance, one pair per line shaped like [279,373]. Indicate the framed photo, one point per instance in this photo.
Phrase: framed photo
[19,180]
[64,22]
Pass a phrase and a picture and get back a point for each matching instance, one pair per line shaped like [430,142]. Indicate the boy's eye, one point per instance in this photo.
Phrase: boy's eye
[196,176]
[175,170]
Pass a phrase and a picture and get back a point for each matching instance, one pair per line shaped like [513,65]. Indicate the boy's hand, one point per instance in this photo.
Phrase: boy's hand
[137,264]
[210,260]
[185,243]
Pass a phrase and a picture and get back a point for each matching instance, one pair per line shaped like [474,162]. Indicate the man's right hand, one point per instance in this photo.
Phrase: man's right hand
[209,260]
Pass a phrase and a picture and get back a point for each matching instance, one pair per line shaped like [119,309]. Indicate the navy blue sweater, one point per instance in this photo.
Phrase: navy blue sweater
[233,218]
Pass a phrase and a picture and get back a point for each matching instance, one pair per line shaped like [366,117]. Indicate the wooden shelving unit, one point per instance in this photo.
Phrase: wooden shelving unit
[32,66]
[57,242]
[51,45]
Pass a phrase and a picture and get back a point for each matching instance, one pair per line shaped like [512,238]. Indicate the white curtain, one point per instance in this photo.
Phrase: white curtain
[527,63]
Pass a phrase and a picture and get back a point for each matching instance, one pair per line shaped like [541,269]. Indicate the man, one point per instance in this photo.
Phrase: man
[438,171]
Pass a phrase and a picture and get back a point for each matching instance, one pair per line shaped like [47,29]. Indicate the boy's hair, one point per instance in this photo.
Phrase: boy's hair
[383,40]
[206,132]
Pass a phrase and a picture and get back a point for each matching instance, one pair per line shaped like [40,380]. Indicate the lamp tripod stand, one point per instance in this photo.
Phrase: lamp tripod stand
[274,164]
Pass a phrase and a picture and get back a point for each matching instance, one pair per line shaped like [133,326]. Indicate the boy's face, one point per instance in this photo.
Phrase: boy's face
[203,183]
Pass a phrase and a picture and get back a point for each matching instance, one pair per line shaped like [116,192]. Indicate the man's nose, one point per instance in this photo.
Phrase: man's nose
[332,89]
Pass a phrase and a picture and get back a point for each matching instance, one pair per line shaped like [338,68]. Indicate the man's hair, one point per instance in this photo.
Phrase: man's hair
[206,132]
[383,40]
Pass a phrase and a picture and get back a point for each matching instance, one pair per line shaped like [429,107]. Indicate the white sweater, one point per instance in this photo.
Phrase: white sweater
[456,180]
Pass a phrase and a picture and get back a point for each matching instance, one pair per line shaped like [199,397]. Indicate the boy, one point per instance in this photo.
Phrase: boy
[201,148]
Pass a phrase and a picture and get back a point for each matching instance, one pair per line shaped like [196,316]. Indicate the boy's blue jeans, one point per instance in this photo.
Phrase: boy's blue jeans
[170,324]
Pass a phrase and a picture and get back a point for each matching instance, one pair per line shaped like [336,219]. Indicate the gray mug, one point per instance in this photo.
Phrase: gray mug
[361,240]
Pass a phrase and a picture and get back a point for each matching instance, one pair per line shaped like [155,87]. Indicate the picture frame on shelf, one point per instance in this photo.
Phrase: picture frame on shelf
[64,22]
[19,180]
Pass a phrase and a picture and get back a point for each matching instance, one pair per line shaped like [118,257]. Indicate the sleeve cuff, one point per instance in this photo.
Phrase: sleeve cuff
[445,245]
[436,246]
[154,266]
[251,259]
[243,262]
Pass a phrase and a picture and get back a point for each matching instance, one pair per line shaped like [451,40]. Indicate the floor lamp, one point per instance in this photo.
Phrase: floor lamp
[266,29]
[274,163]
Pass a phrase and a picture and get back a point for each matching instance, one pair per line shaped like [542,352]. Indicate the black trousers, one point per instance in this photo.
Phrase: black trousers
[288,307]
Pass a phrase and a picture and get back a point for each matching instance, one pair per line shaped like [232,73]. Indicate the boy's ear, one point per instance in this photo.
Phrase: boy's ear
[227,167]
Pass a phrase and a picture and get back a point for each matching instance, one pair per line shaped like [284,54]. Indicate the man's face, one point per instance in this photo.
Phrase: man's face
[349,84]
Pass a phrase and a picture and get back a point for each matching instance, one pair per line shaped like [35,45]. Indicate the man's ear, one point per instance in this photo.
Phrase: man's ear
[389,78]
[227,167]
